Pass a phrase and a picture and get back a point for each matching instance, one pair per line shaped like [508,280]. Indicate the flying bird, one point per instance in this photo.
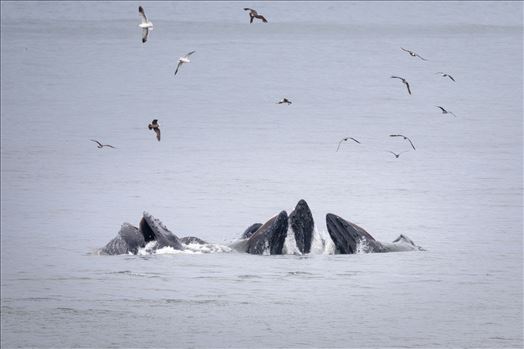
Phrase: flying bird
[444,75]
[146,25]
[182,60]
[404,81]
[100,145]
[444,111]
[413,54]
[284,100]
[410,142]
[155,127]
[345,139]
[397,155]
[253,14]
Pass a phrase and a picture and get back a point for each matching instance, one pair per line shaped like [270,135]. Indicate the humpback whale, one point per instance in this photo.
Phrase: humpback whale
[349,238]
[131,238]
[270,236]
[301,222]
[267,238]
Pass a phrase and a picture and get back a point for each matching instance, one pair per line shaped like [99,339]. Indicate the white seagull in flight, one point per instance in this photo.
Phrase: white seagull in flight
[344,140]
[146,25]
[184,59]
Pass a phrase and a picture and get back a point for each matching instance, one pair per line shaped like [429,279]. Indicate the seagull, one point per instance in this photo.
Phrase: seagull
[444,111]
[155,127]
[145,25]
[403,80]
[413,54]
[284,100]
[444,75]
[253,14]
[397,155]
[345,139]
[405,138]
[100,145]
[182,60]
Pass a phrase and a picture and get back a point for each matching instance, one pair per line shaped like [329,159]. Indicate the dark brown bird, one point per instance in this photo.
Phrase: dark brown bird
[397,155]
[253,14]
[284,100]
[155,127]
[444,75]
[444,111]
[345,139]
[410,142]
[100,145]
[413,54]
[404,81]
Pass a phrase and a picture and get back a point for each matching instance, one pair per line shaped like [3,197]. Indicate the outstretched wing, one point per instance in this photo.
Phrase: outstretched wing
[178,66]
[407,85]
[142,14]
[354,140]
[410,142]
[145,33]
[110,146]
[248,9]
[396,77]
[419,56]
[157,131]
[262,18]
[443,110]
[403,49]
[189,54]
[339,143]
[451,77]
[93,140]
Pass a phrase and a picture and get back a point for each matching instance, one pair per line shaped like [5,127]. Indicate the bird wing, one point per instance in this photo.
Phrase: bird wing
[410,142]
[443,110]
[339,143]
[389,151]
[189,54]
[403,49]
[396,135]
[110,146]
[251,18]
[178,66]
[100,144]
[157,131]
[142,14]
[354,140]
[396,77]
[451,77]
[419,56]
[248,9]
[407,85]
[262,18]
[145,33]
[452,113]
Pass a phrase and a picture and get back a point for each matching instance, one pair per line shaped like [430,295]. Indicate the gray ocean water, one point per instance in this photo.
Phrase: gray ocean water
[229,157]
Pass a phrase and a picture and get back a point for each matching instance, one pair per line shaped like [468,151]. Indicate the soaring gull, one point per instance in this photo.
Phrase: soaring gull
[253,14]
[410,142]
[182,60]
[413,54]
[404,81]
[345,139]
[444,111]
[100,145]
[155,127]
[146,25]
